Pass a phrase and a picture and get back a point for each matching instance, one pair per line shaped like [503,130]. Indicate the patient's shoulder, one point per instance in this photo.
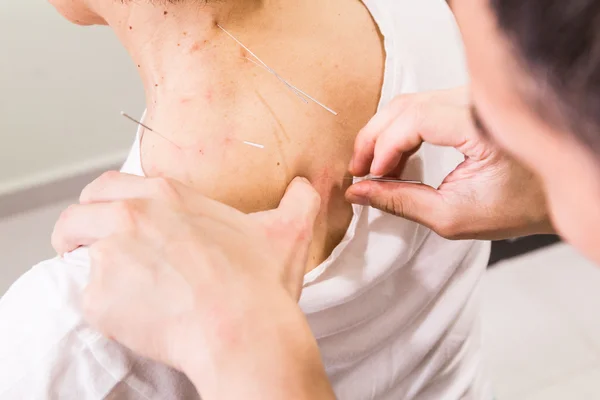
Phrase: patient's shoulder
[44,303]
[46,346]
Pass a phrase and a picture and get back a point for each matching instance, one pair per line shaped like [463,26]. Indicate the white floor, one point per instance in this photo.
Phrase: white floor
[540,313]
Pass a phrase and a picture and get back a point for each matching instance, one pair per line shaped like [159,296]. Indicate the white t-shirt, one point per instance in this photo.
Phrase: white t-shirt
[394,308]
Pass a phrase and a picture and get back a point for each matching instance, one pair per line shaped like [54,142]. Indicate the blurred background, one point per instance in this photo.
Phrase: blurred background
[61,90]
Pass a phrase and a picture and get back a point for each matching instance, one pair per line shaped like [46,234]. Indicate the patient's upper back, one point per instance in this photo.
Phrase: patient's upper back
[333,53]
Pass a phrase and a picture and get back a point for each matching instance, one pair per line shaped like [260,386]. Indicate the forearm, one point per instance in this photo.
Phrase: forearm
[272,356]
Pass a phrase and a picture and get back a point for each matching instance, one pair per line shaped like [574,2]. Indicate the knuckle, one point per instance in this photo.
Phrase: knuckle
[298,230]
[66,216]
[100,255]
[86,194]
[127,213]
[287,225]
[408,102]
[418,111]
[294,227]
[58,233]
[400,103]
[68,212]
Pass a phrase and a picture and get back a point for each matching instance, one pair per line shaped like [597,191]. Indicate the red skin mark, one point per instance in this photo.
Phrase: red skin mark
[130,27]
[208,95]
[185,100]
[195,47]
[228,140]
[323,183]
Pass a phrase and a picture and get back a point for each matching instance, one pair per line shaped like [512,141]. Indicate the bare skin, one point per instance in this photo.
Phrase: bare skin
[205,96]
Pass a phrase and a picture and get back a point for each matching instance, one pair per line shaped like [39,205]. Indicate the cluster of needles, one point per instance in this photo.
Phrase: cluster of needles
[301,94]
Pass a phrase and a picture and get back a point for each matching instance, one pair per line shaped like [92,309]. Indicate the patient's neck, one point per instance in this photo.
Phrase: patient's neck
[179,49]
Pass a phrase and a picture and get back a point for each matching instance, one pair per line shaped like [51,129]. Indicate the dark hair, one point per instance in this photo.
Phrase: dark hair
[558,45]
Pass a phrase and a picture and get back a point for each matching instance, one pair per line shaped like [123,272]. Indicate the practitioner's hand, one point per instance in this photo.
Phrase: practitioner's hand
[489,196]
[201,286]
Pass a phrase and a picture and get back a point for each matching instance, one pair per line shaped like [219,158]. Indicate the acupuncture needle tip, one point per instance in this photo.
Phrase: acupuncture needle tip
[258,146]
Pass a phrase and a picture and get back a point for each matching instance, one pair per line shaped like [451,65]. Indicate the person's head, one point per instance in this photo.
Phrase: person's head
[535,68]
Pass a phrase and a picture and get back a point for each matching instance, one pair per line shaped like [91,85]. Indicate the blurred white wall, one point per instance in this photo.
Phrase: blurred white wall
[61,89]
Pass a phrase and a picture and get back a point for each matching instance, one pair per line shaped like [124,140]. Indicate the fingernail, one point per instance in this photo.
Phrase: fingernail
[358,196]
[351,165]
[375,169]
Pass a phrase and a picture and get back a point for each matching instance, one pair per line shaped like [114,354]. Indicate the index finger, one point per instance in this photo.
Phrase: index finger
[83,225]
[364,145]
[437,124]
[441,125]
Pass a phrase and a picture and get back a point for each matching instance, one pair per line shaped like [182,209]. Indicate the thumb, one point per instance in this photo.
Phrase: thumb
[290,228]
[301,202]
[415,202]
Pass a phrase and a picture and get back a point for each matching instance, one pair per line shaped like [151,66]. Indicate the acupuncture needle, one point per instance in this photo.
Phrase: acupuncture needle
[386,179]
[291,87]
[148,128]
[272,71]
[129,117]
[262,63]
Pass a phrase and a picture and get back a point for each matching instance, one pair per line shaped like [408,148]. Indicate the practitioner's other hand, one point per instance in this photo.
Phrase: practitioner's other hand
[488,196]
[198,285]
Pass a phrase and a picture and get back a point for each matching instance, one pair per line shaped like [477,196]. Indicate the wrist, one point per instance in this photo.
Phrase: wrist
[267,352]
[543,227]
